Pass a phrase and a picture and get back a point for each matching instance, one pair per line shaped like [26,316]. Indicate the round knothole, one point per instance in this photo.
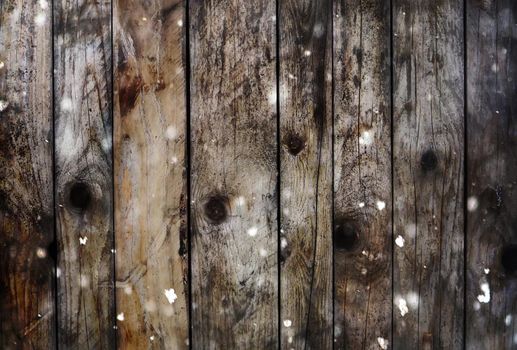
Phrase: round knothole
[429,161]
[509,259]
[80,196]
[345,236]
[215,209]
[294,143]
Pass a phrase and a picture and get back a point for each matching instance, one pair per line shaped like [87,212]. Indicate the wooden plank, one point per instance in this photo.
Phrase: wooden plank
[83,173]
[150,174]
[306,173]
[27,253]
[362,174]
[234,176]
[491,175]
[428,148]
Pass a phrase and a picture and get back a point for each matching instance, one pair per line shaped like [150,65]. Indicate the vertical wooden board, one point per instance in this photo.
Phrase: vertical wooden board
[306,173]
[27,318]
[362,174]
[428,146]
[233,175]
[83,132]
[150,174]
[491,175]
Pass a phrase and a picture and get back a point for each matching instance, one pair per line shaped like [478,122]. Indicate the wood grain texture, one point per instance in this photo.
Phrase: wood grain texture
[234,175]
[83,131]
[306,173]
[428,141]
[150,174]
[362,174]
[27,318]
[491,174]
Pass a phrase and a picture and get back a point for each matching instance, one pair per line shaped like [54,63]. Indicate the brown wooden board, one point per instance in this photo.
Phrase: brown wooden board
[491,301]
[83,174]
[362,174]
[150,174]
[305,97]
[428,150]
[234,175]
[27,251]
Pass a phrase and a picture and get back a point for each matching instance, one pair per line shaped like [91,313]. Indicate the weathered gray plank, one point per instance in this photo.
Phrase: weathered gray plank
[27,319]
[491,174]
[306,173]
[150,175]
[428,141]
[362,174]
[83,173]
[233,175]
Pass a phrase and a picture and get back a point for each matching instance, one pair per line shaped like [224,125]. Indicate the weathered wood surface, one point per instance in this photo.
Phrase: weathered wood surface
[305,90]
[83,174]
[491,300]
[27,318]
[234,175]
[428,150]
[362,174]
[150,174]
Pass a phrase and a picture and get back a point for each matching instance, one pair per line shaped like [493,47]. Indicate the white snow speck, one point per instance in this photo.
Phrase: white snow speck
[361,204]
[41,253]
[252,231]
[83,240]
[307,53]
[383,343]
[472,203]
[287,323]
[240,201]
[170,294]
[151,338]
[120,316]
[2,64]
[402,305]
[508,320]
[263,252]
[381,205]
[180,23]
[43,4]
[487,271]
[66,104]
[40,19]
[485,297]
[399,241]
[128,290]
[171,133]
[365,138]
[283,243]
[3,105]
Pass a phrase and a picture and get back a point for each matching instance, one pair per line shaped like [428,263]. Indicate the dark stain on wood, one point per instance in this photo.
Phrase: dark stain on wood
[79,196]
[216,209]
[294,143]
[429,161]
[345,235]
[509,259]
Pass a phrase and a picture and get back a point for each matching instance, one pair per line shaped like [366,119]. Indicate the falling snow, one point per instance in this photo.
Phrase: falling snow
[399,241]
[383,343]
[485,297]
[83,240]
[40,19]
[3,105]
[402,305]
[381,205]
[170,294]
[288,323]
[120,316]
[472,203]
[252,231]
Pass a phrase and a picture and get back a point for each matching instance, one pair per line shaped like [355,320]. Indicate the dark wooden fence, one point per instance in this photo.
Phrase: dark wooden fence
[258,174]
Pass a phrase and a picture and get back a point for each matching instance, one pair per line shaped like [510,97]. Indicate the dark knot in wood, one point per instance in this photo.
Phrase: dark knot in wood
[509,259]
[80,196]
[294,143]
[216,209]
[429,161]
[345,235]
